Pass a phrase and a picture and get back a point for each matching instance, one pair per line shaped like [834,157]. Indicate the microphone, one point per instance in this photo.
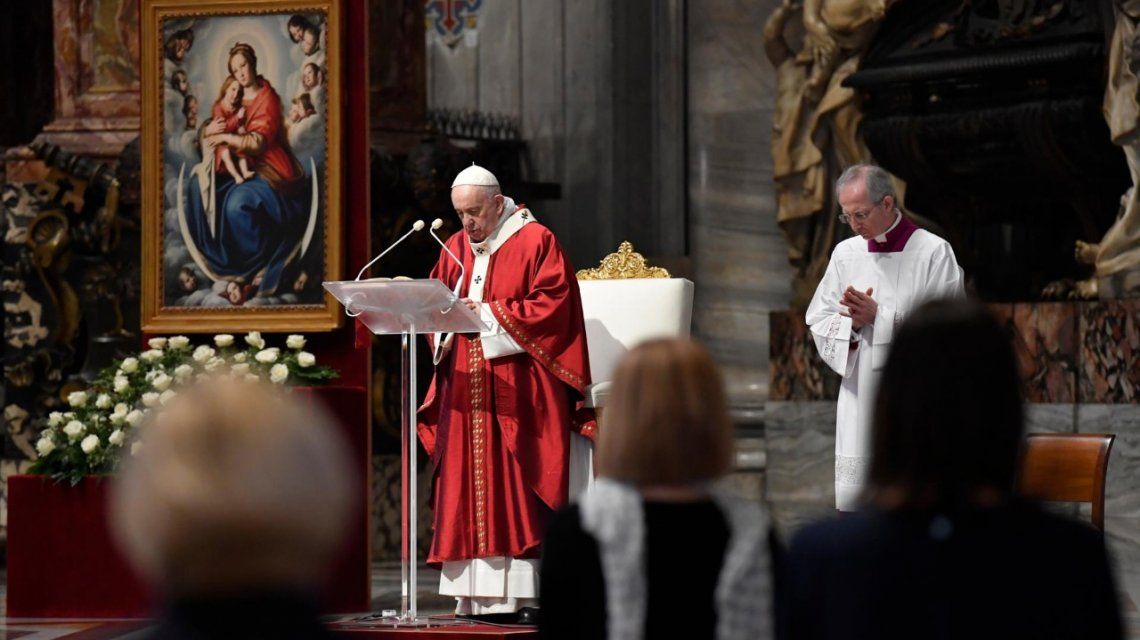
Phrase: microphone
[418,225]
[435,224]
[443,343]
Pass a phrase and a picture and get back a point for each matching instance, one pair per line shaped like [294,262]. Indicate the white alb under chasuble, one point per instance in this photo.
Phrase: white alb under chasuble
[902,280]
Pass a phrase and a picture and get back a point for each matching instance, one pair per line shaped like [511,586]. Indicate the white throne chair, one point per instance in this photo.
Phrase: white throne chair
[625,302]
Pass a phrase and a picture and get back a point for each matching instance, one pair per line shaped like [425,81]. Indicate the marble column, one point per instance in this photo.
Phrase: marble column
[739,256]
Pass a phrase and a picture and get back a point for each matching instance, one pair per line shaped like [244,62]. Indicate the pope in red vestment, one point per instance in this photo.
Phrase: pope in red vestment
[499,414]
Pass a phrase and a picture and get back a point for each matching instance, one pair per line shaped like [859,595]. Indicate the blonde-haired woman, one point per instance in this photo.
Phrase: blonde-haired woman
[233,510]
[655,550]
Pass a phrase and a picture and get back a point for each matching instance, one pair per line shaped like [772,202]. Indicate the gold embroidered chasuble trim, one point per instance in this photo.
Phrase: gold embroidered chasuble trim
[478,406]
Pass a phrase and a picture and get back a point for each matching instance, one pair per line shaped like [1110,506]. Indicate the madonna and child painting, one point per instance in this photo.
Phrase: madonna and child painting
[248,207]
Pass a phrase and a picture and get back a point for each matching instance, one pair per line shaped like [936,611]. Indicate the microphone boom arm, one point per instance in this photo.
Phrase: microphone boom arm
[437,223]
[417,226]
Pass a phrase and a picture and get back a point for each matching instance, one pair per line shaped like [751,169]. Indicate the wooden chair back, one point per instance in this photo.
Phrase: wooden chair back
[1066,467]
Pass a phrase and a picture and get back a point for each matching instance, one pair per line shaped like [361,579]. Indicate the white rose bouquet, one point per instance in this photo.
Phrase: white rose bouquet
[101,423]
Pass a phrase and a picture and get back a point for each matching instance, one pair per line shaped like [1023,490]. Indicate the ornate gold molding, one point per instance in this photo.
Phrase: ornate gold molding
[624,264]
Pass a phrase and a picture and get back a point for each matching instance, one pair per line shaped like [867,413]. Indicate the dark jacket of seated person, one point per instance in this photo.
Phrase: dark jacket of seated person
[654,550]
[1012,571]
[944,549]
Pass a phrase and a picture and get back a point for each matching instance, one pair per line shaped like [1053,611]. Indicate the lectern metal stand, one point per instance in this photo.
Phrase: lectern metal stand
[407,308]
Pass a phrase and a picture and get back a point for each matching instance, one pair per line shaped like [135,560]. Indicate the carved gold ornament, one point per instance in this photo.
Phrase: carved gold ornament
[624,264]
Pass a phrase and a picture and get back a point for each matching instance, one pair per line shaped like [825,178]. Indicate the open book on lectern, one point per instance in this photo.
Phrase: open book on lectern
[405,306]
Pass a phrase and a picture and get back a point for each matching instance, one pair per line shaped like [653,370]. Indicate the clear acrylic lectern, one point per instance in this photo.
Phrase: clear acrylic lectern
[407,308]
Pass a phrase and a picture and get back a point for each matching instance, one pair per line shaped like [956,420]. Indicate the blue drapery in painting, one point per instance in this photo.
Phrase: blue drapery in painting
[257,228]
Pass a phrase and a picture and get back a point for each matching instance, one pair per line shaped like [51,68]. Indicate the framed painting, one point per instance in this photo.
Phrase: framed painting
[241,171]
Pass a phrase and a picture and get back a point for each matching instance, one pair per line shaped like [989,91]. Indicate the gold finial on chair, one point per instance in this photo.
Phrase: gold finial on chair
[624,264]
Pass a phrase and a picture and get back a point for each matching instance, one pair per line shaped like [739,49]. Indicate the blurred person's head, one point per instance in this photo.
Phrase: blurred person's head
[948,415]
[237,487]
[666,421]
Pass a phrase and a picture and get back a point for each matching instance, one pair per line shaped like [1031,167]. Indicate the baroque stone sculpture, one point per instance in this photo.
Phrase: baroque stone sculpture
[68,282]
[1117,255]
[816,123]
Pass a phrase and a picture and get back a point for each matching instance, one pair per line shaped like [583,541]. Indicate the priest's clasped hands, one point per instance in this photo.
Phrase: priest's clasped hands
[861,307]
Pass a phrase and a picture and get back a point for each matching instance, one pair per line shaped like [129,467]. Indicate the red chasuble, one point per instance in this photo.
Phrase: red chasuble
[498,430]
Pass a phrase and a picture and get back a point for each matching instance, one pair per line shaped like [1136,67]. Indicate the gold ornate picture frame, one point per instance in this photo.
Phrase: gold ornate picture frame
[241,171]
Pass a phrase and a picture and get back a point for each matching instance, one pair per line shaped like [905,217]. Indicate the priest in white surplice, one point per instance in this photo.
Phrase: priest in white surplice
[873,280]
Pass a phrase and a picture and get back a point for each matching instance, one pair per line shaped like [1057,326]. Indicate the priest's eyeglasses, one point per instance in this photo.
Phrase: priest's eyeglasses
[858,216]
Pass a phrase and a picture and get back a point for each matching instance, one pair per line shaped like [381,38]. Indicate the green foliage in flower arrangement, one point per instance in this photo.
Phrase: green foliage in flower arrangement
[103,421]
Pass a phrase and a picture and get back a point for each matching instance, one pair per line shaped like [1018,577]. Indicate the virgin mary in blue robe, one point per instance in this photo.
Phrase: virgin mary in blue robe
[257,230]
[249,232]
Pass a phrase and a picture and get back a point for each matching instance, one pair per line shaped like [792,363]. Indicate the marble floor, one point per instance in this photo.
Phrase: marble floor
[386,595]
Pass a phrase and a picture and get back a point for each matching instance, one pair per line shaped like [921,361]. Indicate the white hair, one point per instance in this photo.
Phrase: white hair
[875,178]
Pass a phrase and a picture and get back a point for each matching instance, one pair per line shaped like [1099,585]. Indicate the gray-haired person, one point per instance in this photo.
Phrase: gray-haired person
[873,280]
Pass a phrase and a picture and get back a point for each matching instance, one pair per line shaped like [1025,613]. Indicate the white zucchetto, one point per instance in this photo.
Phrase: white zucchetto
[477,176]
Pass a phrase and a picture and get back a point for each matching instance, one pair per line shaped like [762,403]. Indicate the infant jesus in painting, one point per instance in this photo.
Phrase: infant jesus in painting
[229,109]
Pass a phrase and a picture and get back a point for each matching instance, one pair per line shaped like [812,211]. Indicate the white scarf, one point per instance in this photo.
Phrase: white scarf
[612,513]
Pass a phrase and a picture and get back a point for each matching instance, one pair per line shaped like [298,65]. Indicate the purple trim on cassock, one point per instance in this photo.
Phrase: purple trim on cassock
[896,238]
